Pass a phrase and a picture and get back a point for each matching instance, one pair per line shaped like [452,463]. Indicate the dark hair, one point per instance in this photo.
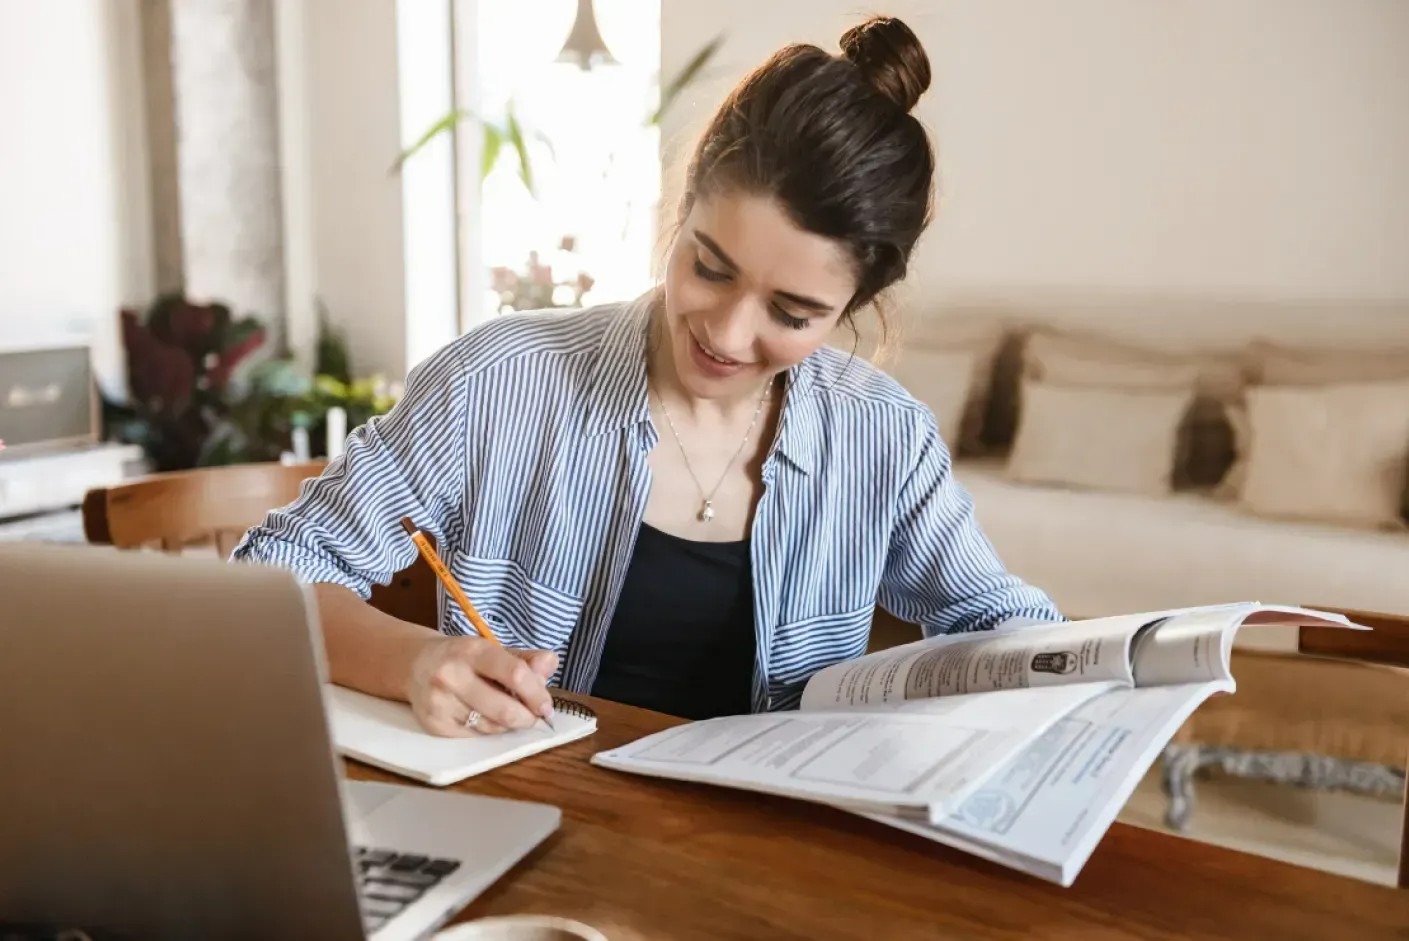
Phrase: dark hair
[832,140]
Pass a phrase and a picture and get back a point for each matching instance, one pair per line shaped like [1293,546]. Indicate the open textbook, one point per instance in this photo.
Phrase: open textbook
[1020,745]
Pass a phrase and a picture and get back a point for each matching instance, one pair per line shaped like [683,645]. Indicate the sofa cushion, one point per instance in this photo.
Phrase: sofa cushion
[1273,365]
[1206,450]
[1098,438]
[1088,360]
[1336,453]
[914,342]
[943,380]
[1106,553]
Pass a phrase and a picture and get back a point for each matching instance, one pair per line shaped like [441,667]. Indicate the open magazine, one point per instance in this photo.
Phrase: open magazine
[1019,745]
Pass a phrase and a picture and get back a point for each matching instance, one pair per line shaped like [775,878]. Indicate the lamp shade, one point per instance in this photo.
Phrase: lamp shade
[584,47]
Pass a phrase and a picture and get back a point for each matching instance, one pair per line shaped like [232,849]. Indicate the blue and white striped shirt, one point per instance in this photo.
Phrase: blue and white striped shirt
[522,447]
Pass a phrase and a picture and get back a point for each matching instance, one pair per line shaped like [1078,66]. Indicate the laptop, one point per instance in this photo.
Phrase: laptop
[166,769]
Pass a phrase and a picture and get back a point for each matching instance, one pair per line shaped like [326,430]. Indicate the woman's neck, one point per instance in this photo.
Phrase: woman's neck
[665,381]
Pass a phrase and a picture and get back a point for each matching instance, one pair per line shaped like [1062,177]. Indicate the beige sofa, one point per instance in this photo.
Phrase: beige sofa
[1150,453]
[1142,453]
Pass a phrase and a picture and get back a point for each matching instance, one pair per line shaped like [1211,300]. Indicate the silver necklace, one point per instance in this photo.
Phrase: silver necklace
[706,512]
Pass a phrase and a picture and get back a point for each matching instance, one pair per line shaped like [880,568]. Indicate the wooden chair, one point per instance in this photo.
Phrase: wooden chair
[1387,643]
[1332,714]
[214,507]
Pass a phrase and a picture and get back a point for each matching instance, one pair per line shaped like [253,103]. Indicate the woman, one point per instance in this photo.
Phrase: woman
[687,502]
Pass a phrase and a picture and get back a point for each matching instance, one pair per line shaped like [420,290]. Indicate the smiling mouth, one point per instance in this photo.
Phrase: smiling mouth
[718,359]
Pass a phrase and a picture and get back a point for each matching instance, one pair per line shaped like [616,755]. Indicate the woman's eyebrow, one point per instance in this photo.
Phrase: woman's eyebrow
[801,300]
[716,251]
[811,303]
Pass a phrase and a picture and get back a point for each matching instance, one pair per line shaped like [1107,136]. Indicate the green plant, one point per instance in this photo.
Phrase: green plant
[510,132]
[497,135]
[181,362]
[693,69]
[186,410]
[281,398]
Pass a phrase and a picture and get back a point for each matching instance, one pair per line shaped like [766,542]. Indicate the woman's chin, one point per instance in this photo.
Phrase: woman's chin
[703,382]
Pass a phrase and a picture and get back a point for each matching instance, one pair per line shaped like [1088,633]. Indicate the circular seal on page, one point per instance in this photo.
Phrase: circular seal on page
[987,809]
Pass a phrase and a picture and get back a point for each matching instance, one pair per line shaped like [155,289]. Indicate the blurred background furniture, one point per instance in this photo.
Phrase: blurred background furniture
[211,508]
[1334,715]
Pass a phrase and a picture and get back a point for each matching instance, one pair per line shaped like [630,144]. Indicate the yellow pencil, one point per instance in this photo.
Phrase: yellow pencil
[441,572]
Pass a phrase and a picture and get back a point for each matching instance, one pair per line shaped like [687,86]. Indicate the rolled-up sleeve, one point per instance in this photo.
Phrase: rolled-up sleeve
[345,527]
[941,570]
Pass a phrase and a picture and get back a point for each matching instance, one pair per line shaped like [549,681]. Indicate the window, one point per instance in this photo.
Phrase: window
[593,155]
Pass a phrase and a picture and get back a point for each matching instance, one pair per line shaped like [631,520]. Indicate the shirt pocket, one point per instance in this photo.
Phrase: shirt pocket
[521,611]
[801,648]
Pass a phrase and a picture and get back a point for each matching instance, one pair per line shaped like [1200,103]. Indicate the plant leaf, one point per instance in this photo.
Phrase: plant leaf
[671,90]
[515,135]
[445,124]
[493,141]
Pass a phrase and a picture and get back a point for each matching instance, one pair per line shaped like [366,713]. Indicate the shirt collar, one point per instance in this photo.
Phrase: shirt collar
[620,397]
[618,384]
[799,425]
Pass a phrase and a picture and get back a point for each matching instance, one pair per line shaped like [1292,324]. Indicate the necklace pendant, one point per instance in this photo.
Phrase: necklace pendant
[707,511]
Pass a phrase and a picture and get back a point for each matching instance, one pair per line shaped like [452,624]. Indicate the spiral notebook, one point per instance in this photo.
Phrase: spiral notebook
[386,735]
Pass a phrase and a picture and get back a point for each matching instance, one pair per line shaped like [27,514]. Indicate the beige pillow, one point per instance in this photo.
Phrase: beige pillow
[1206,443]
[943,380]
[1273,365]
[1284,366]
[919,337]
[1334,453]
[1097,438]
[1084,360]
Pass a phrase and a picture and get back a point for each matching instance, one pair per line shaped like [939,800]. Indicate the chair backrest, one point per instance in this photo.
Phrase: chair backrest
[215,506]
[1387,642]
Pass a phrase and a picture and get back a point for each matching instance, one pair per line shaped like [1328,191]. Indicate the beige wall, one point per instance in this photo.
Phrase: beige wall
[360,79]
[75,237]
[1234,148]
[348,212]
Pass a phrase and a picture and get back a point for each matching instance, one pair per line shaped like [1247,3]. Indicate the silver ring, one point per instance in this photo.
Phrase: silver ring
[472,719]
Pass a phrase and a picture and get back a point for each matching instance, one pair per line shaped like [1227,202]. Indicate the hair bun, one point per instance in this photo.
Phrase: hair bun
[890,57]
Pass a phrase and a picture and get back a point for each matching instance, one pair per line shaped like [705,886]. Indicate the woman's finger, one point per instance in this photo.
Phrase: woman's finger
[496,705]
[542,662]
[525,687]
[480,724]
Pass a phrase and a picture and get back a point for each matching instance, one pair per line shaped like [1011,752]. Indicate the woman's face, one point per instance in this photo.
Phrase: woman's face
[748,294]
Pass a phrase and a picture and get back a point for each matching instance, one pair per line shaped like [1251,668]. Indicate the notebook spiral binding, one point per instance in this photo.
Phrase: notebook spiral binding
[572,708]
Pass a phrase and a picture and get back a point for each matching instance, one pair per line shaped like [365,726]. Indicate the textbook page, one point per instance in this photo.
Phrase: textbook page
[919,759]
[1046,810]
[1056,654]
[1196,645]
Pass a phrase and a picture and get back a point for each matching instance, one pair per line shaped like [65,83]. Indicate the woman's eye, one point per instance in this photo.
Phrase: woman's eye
[709,274]
[788,320]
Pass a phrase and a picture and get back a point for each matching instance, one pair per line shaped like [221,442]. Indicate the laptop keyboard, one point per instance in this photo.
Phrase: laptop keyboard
[389,881]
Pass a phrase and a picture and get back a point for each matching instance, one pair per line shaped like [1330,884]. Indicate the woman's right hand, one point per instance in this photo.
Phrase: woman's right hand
[453,677]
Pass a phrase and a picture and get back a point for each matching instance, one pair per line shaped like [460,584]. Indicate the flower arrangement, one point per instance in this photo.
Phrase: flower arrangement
[536,288]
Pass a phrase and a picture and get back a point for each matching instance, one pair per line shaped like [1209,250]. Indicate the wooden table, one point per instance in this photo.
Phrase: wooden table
[641,858]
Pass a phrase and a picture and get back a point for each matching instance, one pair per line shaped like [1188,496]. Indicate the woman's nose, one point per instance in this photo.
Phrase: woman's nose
[732,332]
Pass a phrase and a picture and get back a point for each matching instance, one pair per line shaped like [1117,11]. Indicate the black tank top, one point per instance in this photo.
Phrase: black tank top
[682,638]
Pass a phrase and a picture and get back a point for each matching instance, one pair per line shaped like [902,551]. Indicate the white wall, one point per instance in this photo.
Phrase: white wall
[377,249]
[74,243]
[1243,148]
[349,249]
